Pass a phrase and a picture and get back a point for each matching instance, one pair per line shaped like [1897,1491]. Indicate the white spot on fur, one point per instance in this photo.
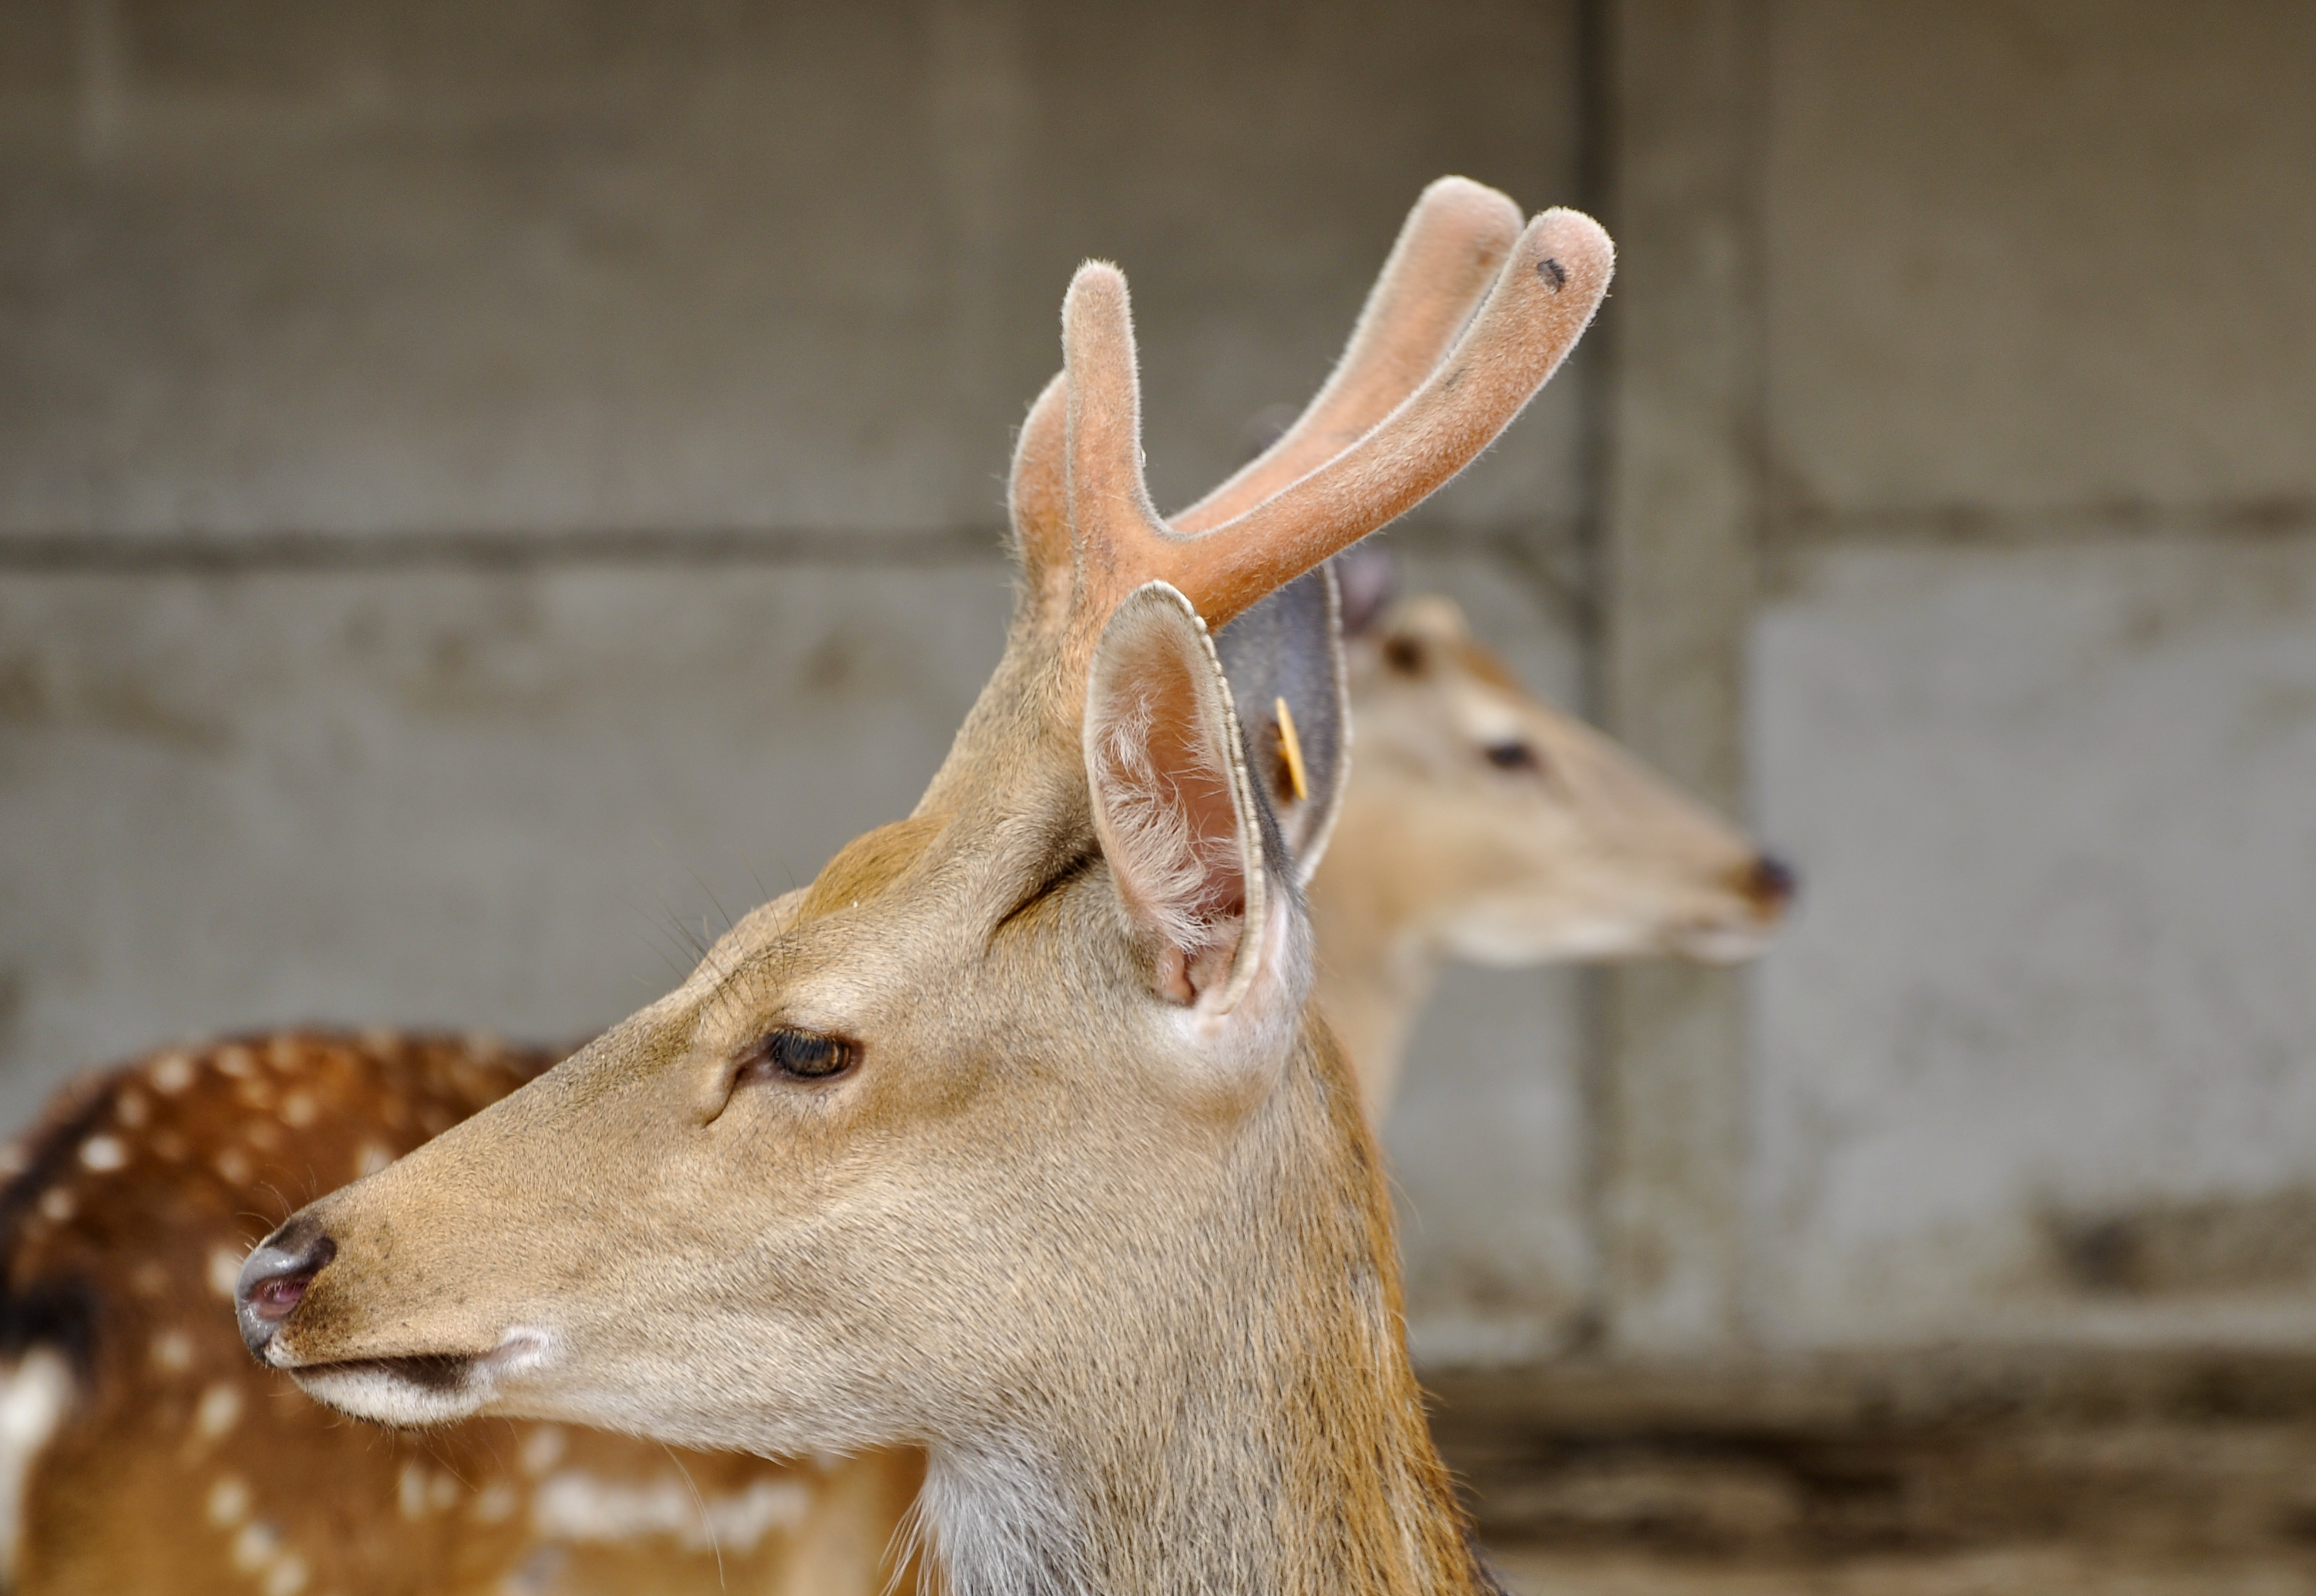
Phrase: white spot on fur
[542,1449]
[57,1203]
[33,1397]
[228,1501]
[232,1166]
[287,1575]
[371,1159]
[496,1504]
[236,1061]
[576,1506]
[225,1271]
[255,1546]
[172,1349]
[299,1109]
[410,1490]
[103,1154]
[442,1493]
[170,1073]
[14,1161]
[131,1109]
[219,1411]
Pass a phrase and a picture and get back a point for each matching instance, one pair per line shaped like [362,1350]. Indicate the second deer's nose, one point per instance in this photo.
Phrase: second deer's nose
[1772,884]
[274,1279]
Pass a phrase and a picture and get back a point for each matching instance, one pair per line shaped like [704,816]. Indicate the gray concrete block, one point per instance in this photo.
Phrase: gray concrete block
[2039,1057]
[2038,255]
[551,267]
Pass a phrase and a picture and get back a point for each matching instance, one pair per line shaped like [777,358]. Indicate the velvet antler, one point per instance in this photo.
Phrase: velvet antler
[1447,254]
[1543,299]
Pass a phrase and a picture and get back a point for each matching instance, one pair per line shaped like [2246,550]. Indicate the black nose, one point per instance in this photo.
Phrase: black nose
[274,1278]
[1773,884]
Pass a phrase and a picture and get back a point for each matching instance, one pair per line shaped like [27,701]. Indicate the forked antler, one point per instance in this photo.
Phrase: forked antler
[1542,301]
[1447,254]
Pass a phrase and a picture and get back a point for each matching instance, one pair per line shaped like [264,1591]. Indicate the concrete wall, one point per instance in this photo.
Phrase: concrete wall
[2033,693]
[486,489]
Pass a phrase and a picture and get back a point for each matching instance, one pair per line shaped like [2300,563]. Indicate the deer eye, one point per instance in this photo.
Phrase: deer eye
[1405,656]
[1514,755]
[786,1054]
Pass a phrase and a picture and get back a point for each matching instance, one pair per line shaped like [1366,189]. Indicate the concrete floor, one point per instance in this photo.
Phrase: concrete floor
[2038,1571]
[2130,1474]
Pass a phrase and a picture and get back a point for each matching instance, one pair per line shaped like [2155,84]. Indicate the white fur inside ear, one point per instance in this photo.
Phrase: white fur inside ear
[1171,799]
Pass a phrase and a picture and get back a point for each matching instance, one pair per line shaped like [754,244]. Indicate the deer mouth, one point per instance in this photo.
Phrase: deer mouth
[1725,943]
[419,1389]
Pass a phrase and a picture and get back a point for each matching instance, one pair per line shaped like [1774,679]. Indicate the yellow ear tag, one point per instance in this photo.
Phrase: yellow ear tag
[1291,746]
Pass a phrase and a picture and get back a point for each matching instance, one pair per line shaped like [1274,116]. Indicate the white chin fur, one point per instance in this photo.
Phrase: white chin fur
[1723,944]
[367,1391]
[380,1392]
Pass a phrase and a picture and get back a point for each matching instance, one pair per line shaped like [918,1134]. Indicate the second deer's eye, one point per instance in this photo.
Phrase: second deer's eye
[1514,755]
[787,1055]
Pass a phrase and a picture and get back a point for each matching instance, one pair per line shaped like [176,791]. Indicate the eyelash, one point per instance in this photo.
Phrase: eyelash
[801,1056]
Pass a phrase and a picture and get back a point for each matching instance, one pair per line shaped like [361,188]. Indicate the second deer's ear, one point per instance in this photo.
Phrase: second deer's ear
[1172,804]
[1285,660]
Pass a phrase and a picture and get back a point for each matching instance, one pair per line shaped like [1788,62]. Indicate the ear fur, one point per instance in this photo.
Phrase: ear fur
[1171,802]
[1289,649]
[1368,578]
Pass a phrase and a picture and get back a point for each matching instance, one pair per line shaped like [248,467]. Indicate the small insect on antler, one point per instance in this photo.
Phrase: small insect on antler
[1544,297]
[1448,252]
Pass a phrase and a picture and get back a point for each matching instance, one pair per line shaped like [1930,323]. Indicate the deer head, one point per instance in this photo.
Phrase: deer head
[1483,824]
[1012,1135]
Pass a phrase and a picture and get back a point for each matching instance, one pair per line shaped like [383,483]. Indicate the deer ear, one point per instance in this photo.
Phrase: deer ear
[1368,578]
[1284,658]
[1171,805]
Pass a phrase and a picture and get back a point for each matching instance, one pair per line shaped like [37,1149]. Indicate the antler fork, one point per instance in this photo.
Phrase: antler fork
[1544,297]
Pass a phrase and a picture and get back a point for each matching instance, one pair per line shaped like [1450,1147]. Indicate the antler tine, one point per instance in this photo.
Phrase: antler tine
[1120,541]
[1447,255]
[1543,300]
[1037,505]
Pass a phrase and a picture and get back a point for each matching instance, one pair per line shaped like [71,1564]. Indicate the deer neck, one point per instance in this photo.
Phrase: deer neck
[1258,1430]
[1378,959]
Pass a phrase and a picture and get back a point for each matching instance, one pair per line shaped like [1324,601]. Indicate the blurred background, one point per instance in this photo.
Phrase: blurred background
[488,490]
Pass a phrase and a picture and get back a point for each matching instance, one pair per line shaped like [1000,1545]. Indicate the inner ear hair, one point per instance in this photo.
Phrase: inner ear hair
[1171,803]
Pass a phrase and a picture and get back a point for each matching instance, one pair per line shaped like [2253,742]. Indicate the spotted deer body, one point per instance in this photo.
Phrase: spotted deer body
[1015,1135]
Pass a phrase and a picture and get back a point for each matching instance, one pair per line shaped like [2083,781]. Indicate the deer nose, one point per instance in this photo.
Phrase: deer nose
[274,1278]
[1771,884]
